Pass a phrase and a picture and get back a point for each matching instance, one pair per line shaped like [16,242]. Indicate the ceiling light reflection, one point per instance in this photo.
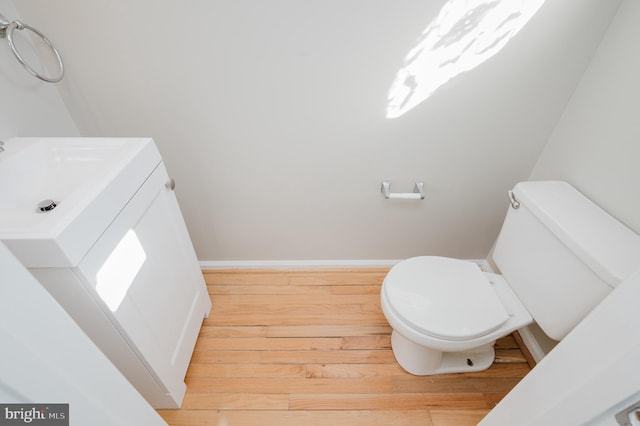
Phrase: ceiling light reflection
[119,271]
[463,35]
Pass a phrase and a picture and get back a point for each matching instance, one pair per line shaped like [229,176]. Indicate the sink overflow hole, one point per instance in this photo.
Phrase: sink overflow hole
[46,205]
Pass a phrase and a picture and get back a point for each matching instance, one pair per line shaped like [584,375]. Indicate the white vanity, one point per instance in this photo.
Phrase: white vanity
[112,248]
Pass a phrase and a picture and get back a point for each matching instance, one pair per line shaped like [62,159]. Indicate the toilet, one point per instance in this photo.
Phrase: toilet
[559,255]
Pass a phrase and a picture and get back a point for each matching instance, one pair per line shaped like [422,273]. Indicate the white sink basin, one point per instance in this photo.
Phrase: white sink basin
[89,179]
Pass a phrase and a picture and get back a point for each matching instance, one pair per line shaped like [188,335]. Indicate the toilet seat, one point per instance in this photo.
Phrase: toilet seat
[445,298]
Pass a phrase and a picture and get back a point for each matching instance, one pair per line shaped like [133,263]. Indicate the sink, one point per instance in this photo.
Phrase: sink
[114,251]
[89,179]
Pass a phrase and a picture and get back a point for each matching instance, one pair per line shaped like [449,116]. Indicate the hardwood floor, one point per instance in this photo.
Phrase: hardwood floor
[313,348]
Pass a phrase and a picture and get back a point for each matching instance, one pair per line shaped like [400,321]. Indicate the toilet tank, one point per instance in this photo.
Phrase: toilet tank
[562,254]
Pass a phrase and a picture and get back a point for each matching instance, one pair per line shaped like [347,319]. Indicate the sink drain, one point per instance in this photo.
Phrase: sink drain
[46,205]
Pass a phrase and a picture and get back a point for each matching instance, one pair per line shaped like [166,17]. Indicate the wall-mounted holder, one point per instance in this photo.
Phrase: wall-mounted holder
[417,194]
[6,31]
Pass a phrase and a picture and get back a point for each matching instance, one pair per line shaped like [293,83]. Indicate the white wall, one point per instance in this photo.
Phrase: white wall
[28,106]
[596,144]
[271,117]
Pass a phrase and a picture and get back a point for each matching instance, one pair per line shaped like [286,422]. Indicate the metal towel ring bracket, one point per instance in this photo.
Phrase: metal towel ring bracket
[6,30]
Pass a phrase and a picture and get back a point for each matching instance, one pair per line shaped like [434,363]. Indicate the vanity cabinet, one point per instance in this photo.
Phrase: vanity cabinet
[138,293]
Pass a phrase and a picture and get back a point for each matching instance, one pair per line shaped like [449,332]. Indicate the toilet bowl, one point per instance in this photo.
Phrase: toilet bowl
[446,314]
[559,255]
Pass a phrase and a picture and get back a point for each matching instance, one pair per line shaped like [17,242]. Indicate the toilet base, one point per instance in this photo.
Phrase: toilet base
[422,361]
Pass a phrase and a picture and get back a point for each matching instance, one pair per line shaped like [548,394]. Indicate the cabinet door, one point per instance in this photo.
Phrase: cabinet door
[146,276]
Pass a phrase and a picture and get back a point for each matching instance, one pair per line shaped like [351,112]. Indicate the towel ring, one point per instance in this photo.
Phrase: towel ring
[6,30]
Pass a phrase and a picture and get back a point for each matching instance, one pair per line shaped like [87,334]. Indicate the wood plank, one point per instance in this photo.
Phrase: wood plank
[255,279]
[235,401]
[454,385]
[340,278]
[328,330]
[355,289]
[233,331]
[295,299]
[269,289]
[514,370]
[366,342]
[309,318]
[218,357]
[507,342]
[410,401]
[268,343]
[297,271]
[289,309]
[353,371]
[493,398]
[247,370]
[287,385]
[329,357]
[355,276]
[457,417]
[297,418]
[518,370]
[509,356]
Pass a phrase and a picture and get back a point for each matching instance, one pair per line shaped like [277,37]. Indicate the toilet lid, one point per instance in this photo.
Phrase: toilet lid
[445,298]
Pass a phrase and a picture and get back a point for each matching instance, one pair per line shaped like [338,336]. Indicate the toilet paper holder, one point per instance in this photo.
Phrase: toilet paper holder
[417,194]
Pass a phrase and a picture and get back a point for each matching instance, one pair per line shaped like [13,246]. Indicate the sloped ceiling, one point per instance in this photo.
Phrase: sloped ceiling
[271,116]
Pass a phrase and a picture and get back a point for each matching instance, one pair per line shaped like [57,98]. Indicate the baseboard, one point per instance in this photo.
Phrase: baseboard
[304,264]
[531,343]
[296,264]
[485,266]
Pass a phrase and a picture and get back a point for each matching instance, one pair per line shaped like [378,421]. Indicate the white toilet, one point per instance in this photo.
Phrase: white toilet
[559,255]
